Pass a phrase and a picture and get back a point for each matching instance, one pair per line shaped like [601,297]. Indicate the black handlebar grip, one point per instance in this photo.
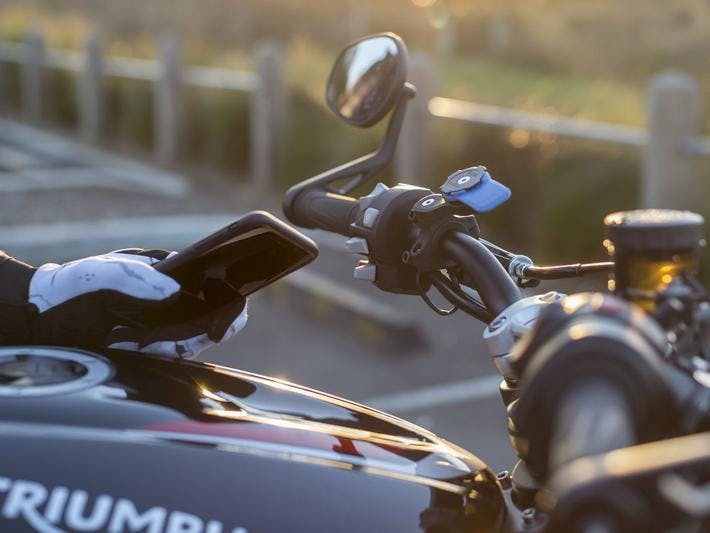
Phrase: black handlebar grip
[593,417]
[316,208]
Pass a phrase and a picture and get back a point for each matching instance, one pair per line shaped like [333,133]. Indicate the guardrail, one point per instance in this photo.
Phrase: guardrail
[168,75]
[670,143]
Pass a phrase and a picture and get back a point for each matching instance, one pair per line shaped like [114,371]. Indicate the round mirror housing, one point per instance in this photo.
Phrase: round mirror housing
[367,79]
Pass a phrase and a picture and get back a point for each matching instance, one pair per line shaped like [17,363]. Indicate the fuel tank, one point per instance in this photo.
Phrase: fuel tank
[118,441]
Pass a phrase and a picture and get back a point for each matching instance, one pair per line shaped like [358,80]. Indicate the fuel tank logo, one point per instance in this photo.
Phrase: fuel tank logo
[59,509]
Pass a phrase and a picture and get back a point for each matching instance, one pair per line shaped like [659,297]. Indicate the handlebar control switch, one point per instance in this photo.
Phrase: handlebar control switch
[365,271]
[366,201]
[382,231]
[474,188]
[357,245]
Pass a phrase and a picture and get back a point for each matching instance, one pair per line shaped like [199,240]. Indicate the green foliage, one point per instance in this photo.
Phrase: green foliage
[490,81]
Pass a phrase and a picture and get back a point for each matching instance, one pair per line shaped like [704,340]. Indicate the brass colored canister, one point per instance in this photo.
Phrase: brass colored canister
[650,247]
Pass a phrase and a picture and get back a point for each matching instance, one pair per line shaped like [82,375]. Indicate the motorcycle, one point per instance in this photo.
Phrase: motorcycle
[608,395]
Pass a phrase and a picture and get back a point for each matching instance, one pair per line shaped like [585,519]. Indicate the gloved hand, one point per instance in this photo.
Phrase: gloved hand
[78,304]
[185,339]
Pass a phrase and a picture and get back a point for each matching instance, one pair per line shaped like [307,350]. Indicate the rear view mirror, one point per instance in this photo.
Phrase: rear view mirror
[367,79]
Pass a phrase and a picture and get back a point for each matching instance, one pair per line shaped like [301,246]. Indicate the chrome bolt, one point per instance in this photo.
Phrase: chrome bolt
[498,322]
[463,179]
[428,202]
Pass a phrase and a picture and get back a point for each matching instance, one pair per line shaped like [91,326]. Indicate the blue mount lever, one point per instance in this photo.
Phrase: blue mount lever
[475,188]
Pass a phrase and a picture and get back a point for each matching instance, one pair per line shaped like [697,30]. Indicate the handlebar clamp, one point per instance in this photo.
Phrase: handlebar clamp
[433,217]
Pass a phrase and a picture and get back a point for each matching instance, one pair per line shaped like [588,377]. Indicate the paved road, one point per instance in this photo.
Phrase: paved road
[97,211]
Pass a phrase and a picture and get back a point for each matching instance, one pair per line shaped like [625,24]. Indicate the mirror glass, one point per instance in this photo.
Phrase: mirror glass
[366,79]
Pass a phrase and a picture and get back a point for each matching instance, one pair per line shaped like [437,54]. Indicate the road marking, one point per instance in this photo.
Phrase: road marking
[438,395]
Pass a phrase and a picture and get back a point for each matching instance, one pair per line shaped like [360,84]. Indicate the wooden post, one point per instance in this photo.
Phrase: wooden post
[670,178]
[31,77]
[414,158]
[4,104]
[90,91]
[167,101]
[268,110]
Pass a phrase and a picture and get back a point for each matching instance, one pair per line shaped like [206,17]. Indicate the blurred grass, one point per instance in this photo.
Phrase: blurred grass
[489,81]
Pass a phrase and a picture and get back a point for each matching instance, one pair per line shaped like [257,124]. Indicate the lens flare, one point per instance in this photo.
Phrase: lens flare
[519,138]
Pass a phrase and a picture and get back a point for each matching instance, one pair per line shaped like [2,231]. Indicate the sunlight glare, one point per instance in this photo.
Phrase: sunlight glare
[424,3]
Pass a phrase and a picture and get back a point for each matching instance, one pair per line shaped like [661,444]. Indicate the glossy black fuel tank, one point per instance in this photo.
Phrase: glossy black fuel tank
[124,442]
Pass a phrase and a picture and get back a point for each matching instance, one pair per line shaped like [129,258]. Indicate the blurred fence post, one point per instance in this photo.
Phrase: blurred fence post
[4,93]
[499,34]
[167,101]
[268,110]
[32,74]
[445,40]
[90,93]
[669,177]
[414,159]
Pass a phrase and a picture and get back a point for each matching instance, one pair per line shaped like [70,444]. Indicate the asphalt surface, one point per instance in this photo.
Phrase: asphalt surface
[282,338]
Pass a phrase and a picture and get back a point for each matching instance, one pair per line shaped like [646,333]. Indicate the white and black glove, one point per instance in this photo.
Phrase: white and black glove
[185,337]
[79,304]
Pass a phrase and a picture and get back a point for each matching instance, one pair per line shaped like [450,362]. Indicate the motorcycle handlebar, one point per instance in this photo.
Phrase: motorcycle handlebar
[488,277]
[316,208]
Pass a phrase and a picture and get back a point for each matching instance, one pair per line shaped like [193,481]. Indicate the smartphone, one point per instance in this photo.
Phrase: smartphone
[247,255]
[231,264]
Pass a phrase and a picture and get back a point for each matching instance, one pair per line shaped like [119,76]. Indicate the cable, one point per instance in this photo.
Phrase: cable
[438,310]
[545,272]
[458,298]
[565,271]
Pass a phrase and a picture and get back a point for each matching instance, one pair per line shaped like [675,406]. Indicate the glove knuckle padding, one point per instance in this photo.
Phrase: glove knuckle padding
[55,284]
[136,279]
